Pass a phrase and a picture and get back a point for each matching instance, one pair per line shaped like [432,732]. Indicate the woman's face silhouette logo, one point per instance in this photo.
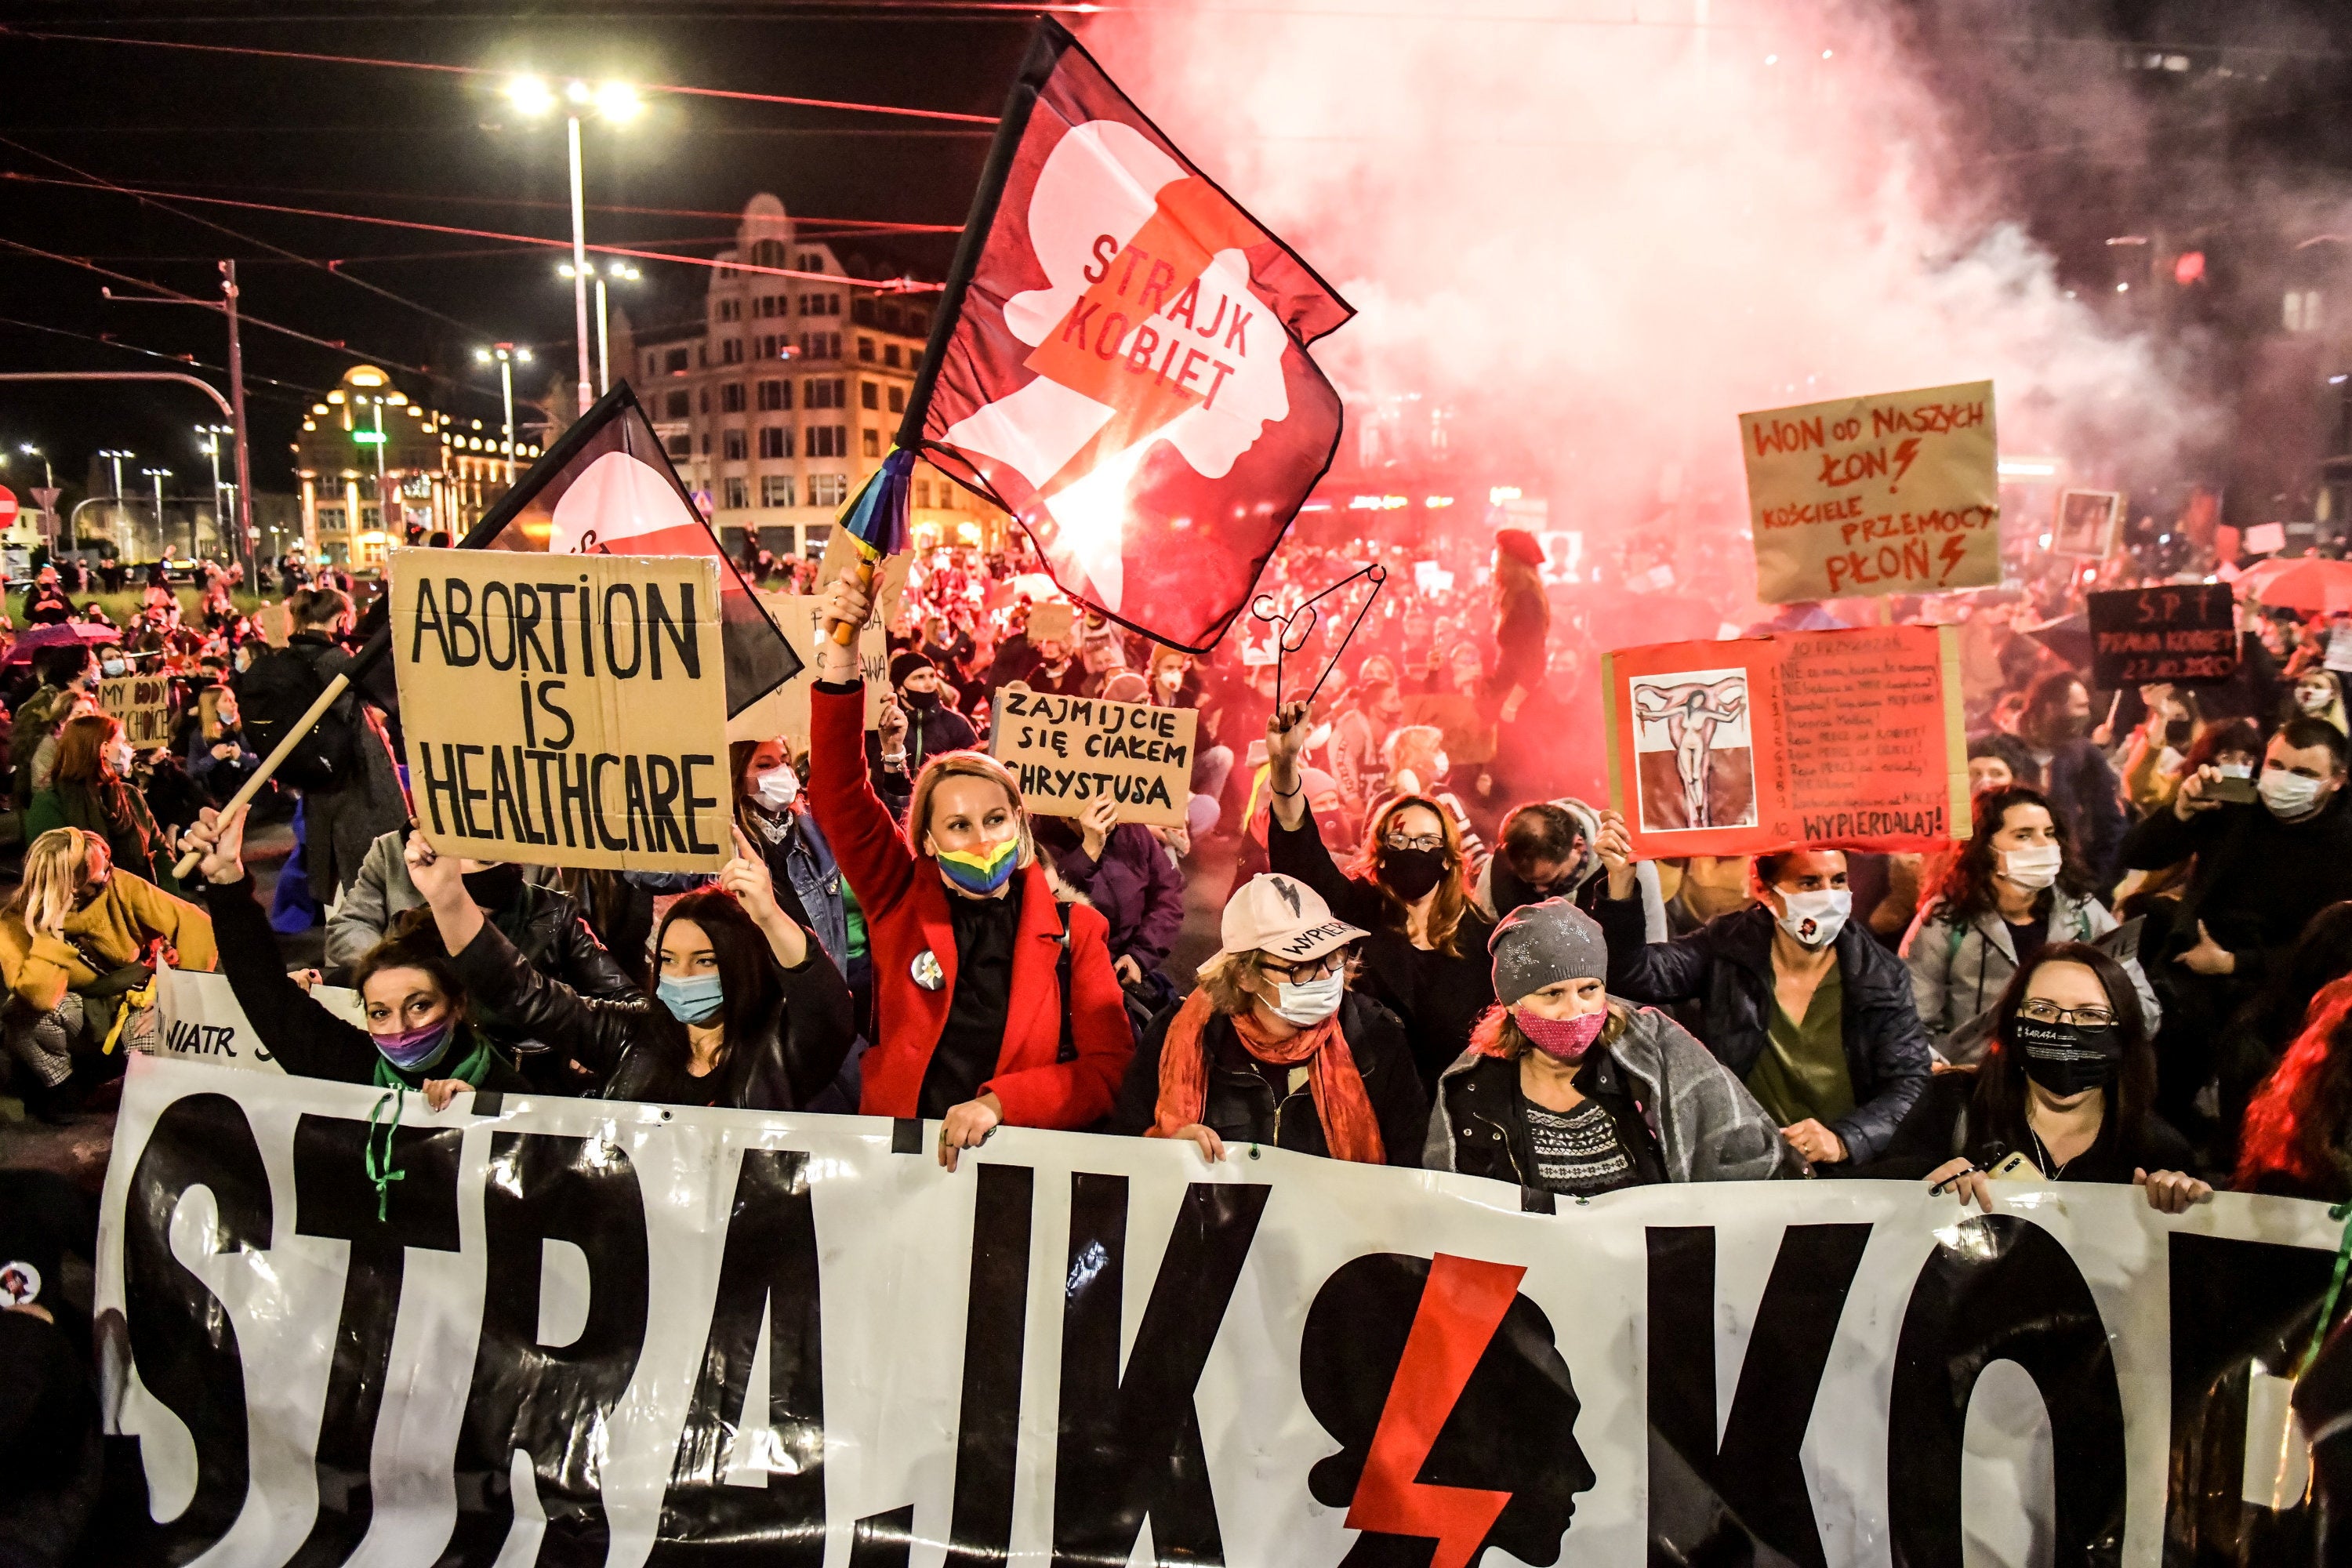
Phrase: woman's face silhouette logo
[1454,1413]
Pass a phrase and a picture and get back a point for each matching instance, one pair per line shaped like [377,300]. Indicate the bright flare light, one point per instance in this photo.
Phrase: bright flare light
[618,101]
[530,95]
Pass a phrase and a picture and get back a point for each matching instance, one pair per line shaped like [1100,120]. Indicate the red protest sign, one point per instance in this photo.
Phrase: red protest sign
[1846,739]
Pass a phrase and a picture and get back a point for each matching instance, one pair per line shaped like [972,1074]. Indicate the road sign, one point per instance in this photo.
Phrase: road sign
[7,507]
[46,497]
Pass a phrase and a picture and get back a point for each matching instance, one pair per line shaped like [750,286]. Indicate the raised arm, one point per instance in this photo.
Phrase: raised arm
[873,854]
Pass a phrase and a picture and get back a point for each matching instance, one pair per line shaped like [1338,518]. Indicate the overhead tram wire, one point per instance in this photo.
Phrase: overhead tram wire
[301,396]
[148,199]
[896,284]
[47,35]
[875,226]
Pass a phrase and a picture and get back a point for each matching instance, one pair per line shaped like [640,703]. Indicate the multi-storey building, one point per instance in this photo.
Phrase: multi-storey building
[377,469]
[784,397]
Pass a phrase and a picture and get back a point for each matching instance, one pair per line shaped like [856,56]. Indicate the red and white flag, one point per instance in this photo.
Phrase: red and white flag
[1120,359]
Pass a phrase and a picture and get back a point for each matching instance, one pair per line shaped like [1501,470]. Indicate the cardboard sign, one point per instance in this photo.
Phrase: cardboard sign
[1469,737]
[144,703]
[2086,522]
[1055,620]
[1847,740]
[1895,494]
[564,710]
[2266,537]
[2187,635]
[1071,752]
[841,554]
[276,623]
[786,711]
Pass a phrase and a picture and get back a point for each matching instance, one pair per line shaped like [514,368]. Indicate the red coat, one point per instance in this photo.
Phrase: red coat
[905,905]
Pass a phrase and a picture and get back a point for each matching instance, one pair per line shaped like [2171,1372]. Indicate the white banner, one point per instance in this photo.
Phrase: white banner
[577,1331]
[203,1021]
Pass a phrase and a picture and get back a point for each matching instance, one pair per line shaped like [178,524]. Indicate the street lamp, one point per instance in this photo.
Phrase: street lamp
[159,476]
[210,446]
[508,357]
[618,103]
[118,459]
[611,269]
[49,474]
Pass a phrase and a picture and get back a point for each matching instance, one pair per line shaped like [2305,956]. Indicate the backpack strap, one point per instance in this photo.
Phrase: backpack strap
[1067,1050]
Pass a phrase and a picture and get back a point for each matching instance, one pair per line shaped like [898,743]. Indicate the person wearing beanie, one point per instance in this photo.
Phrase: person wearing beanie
[916,725]
[1274,1047]
[1569,1092]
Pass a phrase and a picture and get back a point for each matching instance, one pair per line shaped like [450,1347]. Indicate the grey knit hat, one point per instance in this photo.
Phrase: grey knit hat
[1539,944]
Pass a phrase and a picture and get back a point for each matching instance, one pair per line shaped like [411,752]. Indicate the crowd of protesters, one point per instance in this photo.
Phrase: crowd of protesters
[1435,946]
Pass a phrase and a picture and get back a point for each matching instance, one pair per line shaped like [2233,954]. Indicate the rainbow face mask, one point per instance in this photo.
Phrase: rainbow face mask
[983,872]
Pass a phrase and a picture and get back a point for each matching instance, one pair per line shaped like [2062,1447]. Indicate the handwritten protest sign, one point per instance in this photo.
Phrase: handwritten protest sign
[890,578]
[144,703]
[1844,740]
[564,710]
[786,711]
[1895,493]
[1469,737]
[1053,621]
[2086,523]
[1071,752]
[2186,635]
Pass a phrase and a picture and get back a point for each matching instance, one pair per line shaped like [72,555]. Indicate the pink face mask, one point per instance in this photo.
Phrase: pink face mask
[1562,1039]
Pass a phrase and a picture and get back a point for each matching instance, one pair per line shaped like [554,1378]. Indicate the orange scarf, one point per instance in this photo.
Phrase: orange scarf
[1350,1129]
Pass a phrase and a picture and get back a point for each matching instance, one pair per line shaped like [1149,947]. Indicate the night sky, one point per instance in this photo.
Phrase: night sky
[433,147]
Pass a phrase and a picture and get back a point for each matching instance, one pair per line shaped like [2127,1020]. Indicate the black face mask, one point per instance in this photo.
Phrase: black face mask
[2067,1058]
[920,702]
[495,887]
[1411,873]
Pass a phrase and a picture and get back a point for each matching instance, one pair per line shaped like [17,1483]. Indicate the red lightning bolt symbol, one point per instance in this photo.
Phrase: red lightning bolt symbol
[1905,455]
[1955,551]
[1461,1306]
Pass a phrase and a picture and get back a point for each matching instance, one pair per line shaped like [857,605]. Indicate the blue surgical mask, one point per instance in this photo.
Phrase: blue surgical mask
[693,1001]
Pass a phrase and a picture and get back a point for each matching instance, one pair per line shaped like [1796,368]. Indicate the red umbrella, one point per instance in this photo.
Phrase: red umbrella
[63,633]
[2311,583]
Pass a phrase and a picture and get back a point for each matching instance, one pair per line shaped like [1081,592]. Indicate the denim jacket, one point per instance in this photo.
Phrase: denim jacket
[804,871]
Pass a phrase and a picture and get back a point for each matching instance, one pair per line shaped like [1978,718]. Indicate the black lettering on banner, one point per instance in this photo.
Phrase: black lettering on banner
[636,809]
[441,783]
[2234,1304]
[553,710]
[996,1314]
[468,794]
[526,628]
[1131,1445]
[547,1400]
[2003,1290]
[1743,1499]
[636,632]
[595,802]
[661,783]
[883,1540]
[183,1341]
[696,804]
[769,1269]
[458,598]
[681,638]
[428,618]
[504,617]
[333,1197]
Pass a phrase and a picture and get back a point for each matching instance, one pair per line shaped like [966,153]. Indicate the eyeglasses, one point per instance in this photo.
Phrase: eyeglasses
[1415,841]
[2043,1012]
[1321,968]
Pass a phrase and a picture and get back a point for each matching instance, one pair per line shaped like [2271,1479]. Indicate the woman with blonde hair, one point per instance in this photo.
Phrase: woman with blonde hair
[1274,1048]
[1409,887]
[90,790]
[993,1003]
[76,939]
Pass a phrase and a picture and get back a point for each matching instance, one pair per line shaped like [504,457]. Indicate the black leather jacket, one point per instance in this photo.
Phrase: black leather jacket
[1240,1104]
[640,1052]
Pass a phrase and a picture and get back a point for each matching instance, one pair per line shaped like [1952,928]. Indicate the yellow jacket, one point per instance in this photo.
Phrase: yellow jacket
[113,930]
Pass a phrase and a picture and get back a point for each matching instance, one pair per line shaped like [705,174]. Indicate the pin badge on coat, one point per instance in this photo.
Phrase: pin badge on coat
[927,970]
[20,1284]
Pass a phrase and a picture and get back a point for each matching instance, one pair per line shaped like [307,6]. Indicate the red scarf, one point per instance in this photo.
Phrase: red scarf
[1350,1129]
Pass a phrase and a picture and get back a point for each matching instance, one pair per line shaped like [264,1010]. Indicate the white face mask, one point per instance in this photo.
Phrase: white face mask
[121,757]
[777,788]
[1308,1003]
[2034,868]
[2237,770]
[1815,919]
[2313,699]
[2289,794]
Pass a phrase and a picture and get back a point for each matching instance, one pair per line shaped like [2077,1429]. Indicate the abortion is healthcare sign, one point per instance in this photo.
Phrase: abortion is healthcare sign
[1895,493]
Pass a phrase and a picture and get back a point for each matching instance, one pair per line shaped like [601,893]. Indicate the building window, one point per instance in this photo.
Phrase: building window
[828,490]
[776,490]
[738,494]
[331,517]
[702,356]
[868,396]
[865,350]
[890,355]
[923,493]
[2300,310]
[653,364]
[706,400]
[873,442]
[919,324]
[890,317]
[775,394]
[733,444]
[861,309]
[898,400]
[678,405]
[828,440]
[809,262]
[827,392]
[730,351]
[680,447]
[706,443]
[730,398]
[768,253]
[821,345]
[730,309]
[675,363]
[775,441]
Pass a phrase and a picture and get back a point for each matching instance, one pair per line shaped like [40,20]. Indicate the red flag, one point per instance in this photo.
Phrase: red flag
[1120,359]
[606,487]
